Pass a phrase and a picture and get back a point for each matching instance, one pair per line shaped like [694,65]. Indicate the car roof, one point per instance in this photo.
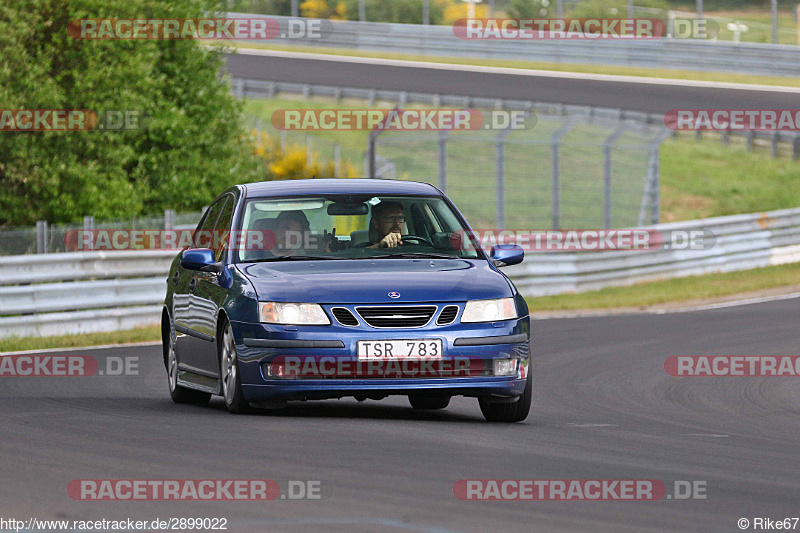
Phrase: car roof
[338,186]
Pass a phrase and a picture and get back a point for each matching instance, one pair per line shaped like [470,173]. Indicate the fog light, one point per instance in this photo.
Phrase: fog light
[505,367]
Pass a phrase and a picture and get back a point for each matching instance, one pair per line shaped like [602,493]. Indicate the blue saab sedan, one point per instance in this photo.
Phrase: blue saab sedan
[320,289]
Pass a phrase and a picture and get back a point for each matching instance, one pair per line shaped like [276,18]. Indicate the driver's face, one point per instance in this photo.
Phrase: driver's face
[391,221]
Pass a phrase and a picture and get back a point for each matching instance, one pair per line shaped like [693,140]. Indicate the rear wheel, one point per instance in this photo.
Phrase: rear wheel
[178,393]
[509,412]
[229,369]
[429,402]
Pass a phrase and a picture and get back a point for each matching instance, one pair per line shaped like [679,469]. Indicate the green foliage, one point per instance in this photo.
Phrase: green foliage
[190,146]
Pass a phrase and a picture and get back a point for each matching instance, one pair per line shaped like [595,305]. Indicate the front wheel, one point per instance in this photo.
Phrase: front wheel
[229,369]
[509,412]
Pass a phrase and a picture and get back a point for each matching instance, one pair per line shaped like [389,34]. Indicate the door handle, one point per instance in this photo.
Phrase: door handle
[193,285]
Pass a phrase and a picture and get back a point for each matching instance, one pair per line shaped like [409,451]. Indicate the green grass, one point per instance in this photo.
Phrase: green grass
[15,344]
[551,66]
[672,290]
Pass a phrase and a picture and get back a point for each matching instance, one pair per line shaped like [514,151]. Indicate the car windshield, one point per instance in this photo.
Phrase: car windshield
[351,227]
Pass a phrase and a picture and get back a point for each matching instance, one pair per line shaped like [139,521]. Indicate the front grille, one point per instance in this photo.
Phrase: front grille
[344,316]
[397,316]
[447,315]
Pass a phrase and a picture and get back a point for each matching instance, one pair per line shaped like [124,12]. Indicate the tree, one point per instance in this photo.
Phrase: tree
[190,143]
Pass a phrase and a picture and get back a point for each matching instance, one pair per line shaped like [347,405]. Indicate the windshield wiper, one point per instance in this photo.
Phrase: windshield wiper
[416,255]
[293,258]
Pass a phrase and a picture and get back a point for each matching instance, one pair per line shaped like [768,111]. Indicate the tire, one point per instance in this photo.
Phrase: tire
[509,412]
[429,402]
[178,393]
[229,373]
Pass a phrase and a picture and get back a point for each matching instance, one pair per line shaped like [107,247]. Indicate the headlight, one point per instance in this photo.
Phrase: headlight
[292,313]
[489,310]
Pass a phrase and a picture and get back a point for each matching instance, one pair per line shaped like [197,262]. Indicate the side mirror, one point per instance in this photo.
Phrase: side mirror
[200,259]
[506,254]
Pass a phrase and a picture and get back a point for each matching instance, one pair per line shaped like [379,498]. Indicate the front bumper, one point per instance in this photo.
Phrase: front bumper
[259,344]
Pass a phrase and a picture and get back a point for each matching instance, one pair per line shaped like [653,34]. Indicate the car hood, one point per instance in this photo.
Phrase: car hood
[371,281]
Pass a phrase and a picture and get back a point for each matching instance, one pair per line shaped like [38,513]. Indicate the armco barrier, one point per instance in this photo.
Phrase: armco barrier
[67,293]
[681,54]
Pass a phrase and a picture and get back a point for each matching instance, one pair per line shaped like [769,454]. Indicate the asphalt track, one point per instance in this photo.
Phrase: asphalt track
[604,408]
[656,96]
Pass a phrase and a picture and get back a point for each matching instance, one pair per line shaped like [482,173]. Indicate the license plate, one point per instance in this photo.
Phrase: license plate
[400,349]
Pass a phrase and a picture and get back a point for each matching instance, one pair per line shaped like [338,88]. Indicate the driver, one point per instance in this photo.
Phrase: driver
[388,220]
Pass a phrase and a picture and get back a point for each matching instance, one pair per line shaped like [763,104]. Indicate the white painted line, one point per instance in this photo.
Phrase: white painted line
[78,348]
[643,80]
[707,435]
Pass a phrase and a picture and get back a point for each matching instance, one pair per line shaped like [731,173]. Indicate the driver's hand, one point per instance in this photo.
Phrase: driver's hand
[391,240]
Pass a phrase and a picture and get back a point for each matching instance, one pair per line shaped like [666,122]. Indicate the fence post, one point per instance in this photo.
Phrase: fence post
[283,141]
[362,11]
[309,158]
[295,10]
[442,154]
[426,15]
[609,142]
[337,160]
[748,136]
[41,236]
[372,141]
[88,230]
[500,157]
[556,174]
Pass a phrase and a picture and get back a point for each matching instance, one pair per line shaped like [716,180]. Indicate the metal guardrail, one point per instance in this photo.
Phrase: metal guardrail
[133,284]
[83,292]
[682,54]
[742,242]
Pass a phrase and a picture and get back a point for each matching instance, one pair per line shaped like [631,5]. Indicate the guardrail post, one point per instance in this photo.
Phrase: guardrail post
[283,141]
[774,144]
[726,136]
[362,11]
[796,147]
[295,10]
[240,88]
[426,12]
[309,143]
[748,137]
[630,9]
[442,154]
[560,9]
[41,236]
[556,174]
[607,145]
[337,160]
[169,219]
[500,157]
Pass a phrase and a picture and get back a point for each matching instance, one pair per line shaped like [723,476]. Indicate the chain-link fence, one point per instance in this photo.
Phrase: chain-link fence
[565,172]
[53,238]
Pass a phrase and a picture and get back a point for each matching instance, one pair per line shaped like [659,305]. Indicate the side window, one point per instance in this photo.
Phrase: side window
[203,237]
[222,230]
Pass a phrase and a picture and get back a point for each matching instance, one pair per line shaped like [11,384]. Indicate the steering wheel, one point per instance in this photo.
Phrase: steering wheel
[421,240]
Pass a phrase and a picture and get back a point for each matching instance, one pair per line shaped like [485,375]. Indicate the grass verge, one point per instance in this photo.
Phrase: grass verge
[672,290]
[16,344]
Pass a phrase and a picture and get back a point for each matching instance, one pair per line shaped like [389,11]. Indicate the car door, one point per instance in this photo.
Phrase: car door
[191,342]
[209,296]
